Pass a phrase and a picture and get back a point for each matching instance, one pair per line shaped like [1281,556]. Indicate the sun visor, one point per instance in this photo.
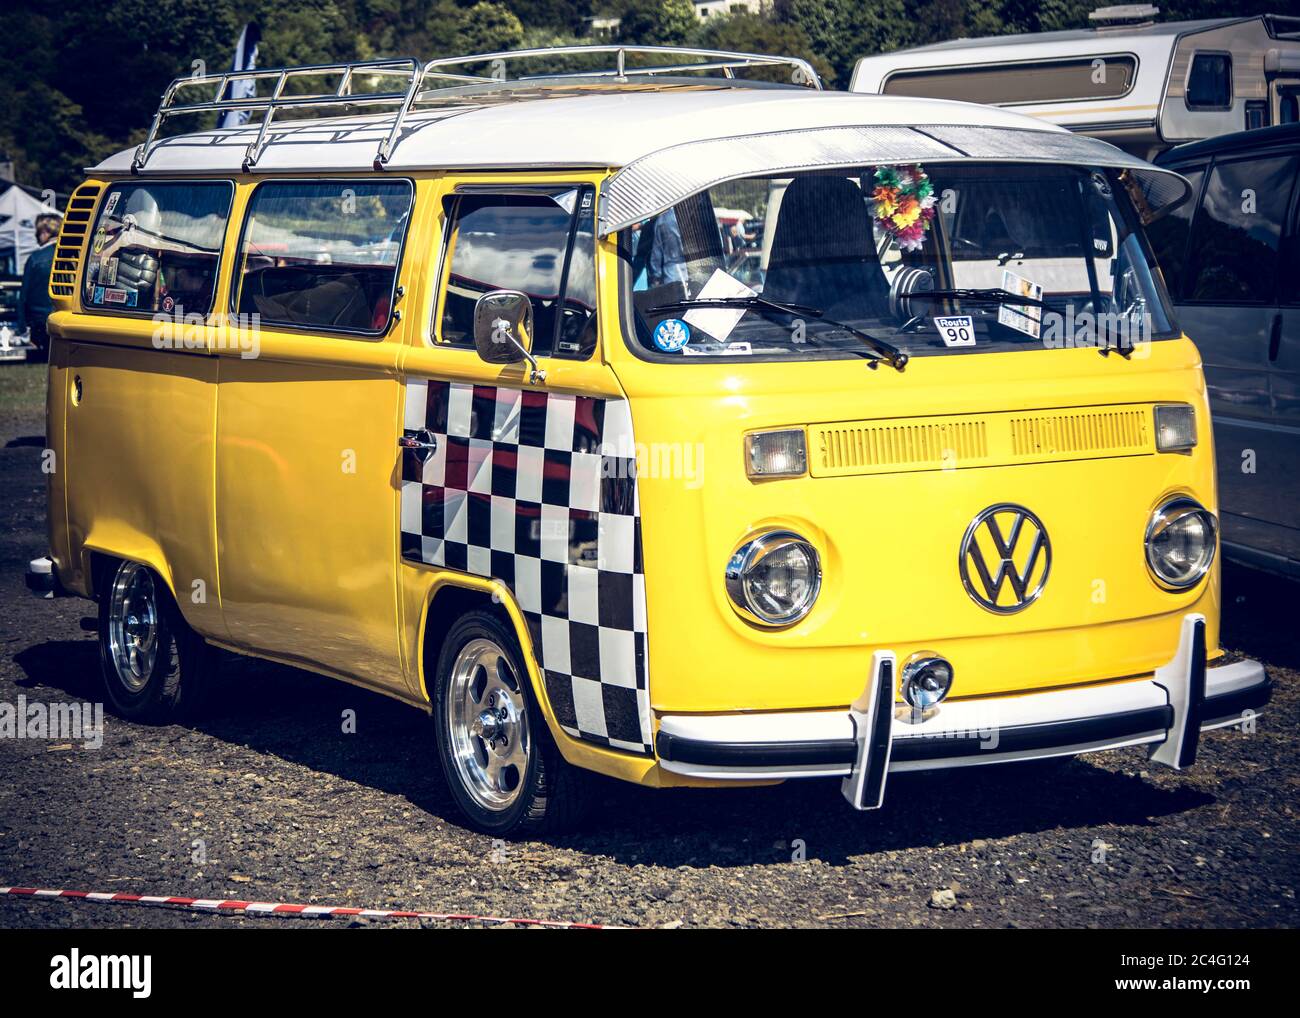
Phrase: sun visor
[653,183]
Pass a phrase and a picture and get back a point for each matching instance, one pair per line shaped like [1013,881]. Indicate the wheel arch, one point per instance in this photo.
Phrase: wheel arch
[100,560]
[453,594]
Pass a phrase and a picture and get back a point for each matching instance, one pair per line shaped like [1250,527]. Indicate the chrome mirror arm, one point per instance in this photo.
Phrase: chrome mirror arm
[535,373]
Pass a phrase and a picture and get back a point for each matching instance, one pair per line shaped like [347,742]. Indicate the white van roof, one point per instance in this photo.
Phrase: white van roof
[604,127]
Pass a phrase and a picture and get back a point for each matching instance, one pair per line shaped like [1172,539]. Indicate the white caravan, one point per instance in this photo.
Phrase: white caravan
[1140,84]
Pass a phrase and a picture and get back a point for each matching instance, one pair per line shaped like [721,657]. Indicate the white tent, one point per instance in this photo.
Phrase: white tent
[18,212]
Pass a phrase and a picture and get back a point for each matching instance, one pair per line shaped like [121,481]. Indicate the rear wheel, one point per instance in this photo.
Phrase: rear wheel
[501,765]
[155,667]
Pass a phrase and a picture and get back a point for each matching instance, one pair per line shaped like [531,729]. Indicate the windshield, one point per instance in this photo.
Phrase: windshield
[927,260]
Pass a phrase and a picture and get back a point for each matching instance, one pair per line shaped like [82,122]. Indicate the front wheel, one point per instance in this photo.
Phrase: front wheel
[155,666]
[501,765]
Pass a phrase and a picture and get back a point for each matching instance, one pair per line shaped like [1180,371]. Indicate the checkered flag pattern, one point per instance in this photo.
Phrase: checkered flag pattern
[538,490]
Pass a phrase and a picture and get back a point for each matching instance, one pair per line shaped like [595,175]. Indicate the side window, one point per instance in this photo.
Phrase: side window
[323,254]
[1168,236]
[156,247]
[541,244]
[1209,82]
[576,335]
[1238,229]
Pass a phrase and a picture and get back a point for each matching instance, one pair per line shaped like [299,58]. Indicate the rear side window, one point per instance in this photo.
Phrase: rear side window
[323,254]
[541,244]
[1233,254]
[1209,82]
[156,248]
[1168,236]
[1042,81]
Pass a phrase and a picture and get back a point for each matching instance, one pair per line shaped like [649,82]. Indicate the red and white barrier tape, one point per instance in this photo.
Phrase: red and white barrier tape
[224,906]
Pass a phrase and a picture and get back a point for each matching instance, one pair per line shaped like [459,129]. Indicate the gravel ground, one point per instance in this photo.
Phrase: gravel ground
[268,799]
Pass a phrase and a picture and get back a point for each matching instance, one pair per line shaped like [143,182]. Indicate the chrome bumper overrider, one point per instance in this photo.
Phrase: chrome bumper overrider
[876,736]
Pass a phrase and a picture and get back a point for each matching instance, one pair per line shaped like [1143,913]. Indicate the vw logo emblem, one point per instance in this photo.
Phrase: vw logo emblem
[1005,546]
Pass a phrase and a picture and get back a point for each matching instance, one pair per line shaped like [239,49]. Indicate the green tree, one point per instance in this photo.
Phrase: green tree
[487,27]
[302,32]
[558,15]
[843,31]
[753,33]
[658,22]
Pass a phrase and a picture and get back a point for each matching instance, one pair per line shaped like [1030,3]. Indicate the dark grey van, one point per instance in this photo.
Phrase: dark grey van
[1231,259]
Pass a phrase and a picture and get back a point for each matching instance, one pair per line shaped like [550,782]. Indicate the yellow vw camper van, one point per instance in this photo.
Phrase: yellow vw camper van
[670,418]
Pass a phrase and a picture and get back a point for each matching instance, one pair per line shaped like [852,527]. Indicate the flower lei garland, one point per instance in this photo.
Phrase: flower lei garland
[904,204]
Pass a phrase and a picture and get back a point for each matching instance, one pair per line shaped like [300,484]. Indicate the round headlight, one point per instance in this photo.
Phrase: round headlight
[1181,540]
[774,579]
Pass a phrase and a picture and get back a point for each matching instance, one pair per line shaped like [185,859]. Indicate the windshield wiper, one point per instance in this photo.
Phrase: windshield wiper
[982,295]
[883,351]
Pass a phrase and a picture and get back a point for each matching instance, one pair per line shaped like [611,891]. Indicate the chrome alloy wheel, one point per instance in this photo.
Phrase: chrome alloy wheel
[133,625]
[487,719]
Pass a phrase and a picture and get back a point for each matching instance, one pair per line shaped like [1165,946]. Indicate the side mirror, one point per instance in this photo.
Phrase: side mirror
[503,330]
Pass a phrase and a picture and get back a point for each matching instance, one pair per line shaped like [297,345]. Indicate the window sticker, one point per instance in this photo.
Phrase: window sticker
[110,204]
[672,335]
[719,322]
[116,295]
[955,330]
[1021,317]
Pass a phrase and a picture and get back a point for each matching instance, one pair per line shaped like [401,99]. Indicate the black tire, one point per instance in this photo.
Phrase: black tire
[172,688]
[552,794]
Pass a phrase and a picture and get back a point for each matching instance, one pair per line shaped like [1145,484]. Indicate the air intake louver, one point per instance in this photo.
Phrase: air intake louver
[71,246]
[978,440]
[885,445]
[1115,430]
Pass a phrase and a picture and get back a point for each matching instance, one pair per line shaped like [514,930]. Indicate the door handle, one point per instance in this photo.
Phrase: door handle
[424,443]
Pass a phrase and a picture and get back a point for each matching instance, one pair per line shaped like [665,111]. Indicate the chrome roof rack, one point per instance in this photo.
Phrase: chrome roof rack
[801,72]
[343,95]
[436,82]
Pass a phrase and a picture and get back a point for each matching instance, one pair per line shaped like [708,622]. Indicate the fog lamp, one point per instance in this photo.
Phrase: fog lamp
[927,677]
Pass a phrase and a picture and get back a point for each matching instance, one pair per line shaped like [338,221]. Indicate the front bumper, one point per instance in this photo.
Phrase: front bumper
[876,737]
